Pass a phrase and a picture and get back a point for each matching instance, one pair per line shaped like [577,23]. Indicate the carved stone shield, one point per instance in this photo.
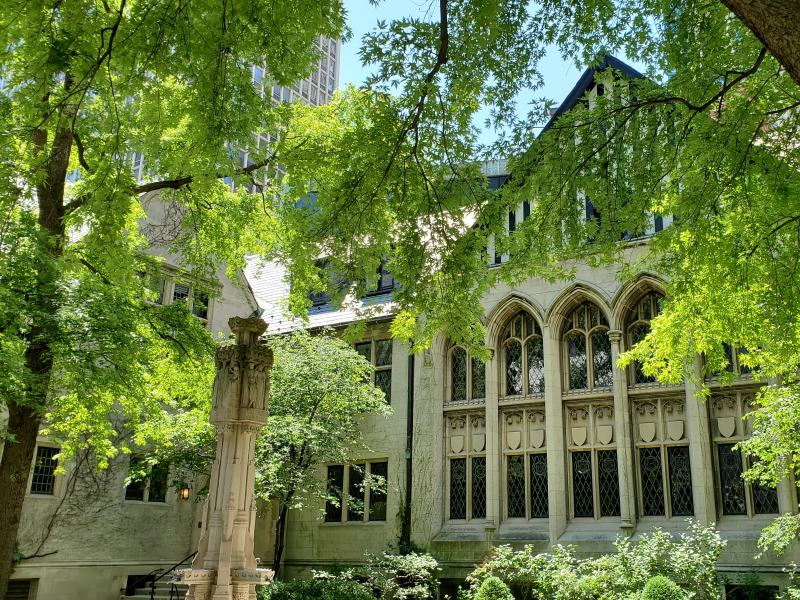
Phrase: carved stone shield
[726,426]
[537,438]
[605,433]
[456,443]
[647,431]
[675,430]
[579,436]
[513,439]
[478,442]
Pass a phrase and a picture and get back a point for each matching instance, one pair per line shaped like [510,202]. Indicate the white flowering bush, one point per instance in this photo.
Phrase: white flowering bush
[687,559]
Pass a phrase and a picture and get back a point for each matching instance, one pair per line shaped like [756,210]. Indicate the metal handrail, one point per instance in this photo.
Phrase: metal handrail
[167,572]
[143,578]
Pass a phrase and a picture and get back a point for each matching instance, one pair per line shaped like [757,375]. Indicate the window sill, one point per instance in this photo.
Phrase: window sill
[347,523]
[131,502]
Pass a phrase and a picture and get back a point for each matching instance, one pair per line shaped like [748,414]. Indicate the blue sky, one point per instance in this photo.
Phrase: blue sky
[559,75]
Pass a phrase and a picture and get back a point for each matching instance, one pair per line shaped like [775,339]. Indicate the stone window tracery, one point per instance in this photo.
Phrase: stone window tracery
[728,427]
[662,458]
[467,377]
[466,466]
[587,350]
[522,356]
[638,327]
[525,463]
[593,468]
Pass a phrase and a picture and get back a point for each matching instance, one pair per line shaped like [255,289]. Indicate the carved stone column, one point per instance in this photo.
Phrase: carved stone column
[554,432]
[622,425]
[225,566]
[493,462]
[700,447]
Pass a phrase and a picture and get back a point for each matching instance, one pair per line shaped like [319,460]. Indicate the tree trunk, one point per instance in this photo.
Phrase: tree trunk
[14,471]
[25,416]
[777,24]
[280,537]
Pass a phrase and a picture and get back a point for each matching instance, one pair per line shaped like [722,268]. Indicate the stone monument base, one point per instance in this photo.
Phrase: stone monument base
[243,582]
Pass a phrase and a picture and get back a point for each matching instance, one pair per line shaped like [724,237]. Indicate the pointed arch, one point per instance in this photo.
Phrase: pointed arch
[570,298]
[630,293]
[509,306]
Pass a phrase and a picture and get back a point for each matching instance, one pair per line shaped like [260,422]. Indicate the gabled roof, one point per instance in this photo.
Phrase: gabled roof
[587,82]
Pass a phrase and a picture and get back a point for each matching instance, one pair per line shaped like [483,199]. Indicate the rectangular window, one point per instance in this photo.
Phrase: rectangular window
[200,304]
[365,484]
[355,494]
[608,480]
[730,426]
[180,292]
[538,486]
[526,210]
[478,487]
[150,487]
[379,353]
[458,488]
[680,481]
[155,287]
[377,497]
[515,486]
[333,507]
[582,489]
[651,481]
[44,471]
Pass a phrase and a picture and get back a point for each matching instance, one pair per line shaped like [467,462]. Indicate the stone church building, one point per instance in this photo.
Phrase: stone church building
[549,442]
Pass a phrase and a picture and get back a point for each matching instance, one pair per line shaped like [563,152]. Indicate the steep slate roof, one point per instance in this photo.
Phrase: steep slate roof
[586,83]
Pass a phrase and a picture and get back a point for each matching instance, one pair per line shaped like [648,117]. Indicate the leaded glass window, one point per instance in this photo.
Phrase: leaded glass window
[459,374]
[535,355]
[513,368]
[731,482]
[478,376]
[608,483]
[478,487]
[576,359]
[467,376]
[664,471]
[731,425]
[523,357]
[601,359]
[587,349]
[638,327]
[515,485]
[652,484]
[44,471]
[538,486]
[582,489]
[680,481]
[458,488]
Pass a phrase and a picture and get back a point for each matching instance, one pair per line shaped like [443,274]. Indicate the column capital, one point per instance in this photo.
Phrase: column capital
[615,335]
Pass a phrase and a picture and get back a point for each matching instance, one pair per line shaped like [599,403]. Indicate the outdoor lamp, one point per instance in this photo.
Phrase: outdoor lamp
[183,494]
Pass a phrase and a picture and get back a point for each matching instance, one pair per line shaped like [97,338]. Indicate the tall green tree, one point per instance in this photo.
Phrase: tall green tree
[709,137]
[85,84]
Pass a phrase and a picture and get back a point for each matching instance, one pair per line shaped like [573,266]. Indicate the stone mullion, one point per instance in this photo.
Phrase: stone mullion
[622,426]
[554,431]
[700,447]
[492,450]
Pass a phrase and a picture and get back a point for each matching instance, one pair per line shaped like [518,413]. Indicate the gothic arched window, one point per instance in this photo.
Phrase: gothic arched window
[467,376]
[638,326]
[522,357]
[587,349]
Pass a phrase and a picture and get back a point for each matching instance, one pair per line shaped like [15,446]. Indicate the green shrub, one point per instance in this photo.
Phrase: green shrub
[493,589]
[662,588]
[412,576]
[560,575]
[316,589]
